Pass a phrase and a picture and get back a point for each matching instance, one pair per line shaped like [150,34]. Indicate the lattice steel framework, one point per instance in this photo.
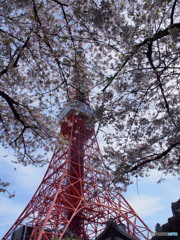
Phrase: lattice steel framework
[74,199]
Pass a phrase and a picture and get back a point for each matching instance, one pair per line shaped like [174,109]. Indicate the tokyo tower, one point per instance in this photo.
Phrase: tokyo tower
[75,200]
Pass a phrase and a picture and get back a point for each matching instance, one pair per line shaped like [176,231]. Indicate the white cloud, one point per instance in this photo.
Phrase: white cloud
[155,176]
[24,182]
[146,206]
[9,211]
[24,177]
[29,177]
[9,207]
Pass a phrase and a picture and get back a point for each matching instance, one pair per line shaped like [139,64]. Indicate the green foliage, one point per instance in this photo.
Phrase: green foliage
[157,227]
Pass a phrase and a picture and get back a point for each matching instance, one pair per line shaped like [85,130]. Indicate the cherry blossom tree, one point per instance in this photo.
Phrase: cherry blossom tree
[130,70]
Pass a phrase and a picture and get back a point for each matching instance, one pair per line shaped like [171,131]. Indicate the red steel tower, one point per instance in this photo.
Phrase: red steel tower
[75,199]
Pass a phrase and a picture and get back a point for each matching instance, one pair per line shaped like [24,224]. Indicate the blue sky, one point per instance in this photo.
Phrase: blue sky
[150,200]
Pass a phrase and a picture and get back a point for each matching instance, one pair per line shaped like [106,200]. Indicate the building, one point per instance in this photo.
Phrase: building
[113,231]
[172,227]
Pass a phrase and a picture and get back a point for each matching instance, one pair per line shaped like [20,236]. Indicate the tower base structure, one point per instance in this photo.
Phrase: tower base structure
[76,198]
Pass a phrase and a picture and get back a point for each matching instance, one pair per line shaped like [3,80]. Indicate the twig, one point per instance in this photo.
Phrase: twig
[149,56]
[158,156]
[158,35]
[172,13]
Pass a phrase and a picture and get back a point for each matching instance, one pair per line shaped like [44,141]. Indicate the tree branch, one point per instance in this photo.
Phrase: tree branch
[158,156]
[21,134]
[173,9]
[11,103]
[158,35]
[16,54]
[20,51]
[149,56]
[61,4]
[11,35]
[65,17]
[56,59]
[3,189]
[36,13]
